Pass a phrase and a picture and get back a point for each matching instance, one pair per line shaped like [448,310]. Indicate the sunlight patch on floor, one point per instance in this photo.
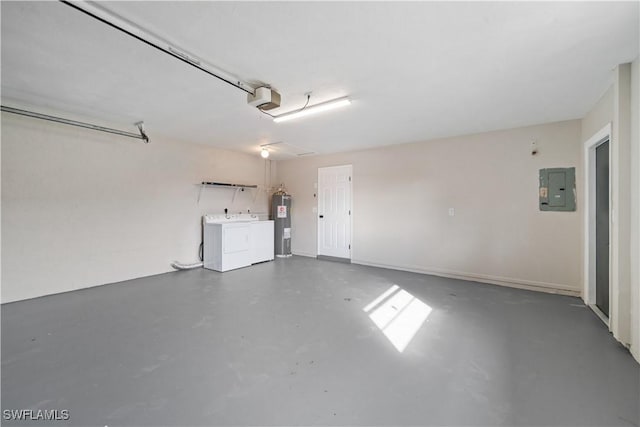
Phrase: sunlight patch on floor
[399,315]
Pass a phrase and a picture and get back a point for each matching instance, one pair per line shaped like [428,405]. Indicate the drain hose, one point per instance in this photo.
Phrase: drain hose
[180,266]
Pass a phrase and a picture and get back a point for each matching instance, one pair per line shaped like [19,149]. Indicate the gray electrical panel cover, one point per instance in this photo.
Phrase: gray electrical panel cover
[557,189]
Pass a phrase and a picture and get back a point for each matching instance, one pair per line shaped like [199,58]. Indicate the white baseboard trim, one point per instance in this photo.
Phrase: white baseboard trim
[85,287]
[305,254]
[552,288]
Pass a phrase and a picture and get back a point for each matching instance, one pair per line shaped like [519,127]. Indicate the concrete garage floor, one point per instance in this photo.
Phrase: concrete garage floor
[289,343]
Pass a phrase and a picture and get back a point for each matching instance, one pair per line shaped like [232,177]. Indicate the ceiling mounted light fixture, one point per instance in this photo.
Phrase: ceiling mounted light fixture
[264,153]
[313,109]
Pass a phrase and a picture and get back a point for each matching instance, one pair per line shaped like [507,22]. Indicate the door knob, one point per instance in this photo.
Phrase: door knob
[321,216]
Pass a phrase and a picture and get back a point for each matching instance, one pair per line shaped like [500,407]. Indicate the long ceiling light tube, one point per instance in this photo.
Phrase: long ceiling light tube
[146,37]
[143,136]
[313,109]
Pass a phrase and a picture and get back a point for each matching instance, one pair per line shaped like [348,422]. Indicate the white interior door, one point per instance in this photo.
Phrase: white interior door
[334,211]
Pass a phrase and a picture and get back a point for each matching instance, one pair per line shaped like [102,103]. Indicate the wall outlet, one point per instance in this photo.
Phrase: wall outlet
[452,212]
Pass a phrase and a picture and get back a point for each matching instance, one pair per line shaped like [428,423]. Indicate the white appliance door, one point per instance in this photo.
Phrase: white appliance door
[235,246]
[334,211]
[262,236]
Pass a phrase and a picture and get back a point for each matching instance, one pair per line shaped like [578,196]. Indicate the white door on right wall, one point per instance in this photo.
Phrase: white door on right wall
[334,211]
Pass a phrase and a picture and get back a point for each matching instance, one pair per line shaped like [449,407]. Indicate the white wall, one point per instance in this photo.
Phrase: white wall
[635,208]
[619,106]
[82,208]
[598,116]
[621,205]
[402,194]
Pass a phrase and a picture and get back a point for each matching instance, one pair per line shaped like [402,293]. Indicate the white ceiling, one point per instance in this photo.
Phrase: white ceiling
[415,71]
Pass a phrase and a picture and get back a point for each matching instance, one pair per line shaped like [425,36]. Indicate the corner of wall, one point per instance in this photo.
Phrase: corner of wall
[621,206]
[635,209]
[619,106]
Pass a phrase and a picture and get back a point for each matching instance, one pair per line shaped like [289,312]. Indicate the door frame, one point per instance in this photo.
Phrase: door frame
[350,208]
[589,291]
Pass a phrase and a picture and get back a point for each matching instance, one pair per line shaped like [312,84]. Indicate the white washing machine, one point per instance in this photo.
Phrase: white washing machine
[235,241]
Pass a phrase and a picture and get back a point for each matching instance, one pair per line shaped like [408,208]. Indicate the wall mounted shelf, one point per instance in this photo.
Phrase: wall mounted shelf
[226,185]
[236,187]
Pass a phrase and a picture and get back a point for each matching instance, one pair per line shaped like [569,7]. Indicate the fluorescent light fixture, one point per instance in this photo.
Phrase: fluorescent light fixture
[264,153]
[313,109]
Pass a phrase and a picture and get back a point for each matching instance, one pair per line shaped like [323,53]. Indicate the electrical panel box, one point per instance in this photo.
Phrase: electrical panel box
[557,189]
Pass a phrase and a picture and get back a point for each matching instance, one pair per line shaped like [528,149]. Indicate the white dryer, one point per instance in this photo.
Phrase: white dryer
[235,241]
